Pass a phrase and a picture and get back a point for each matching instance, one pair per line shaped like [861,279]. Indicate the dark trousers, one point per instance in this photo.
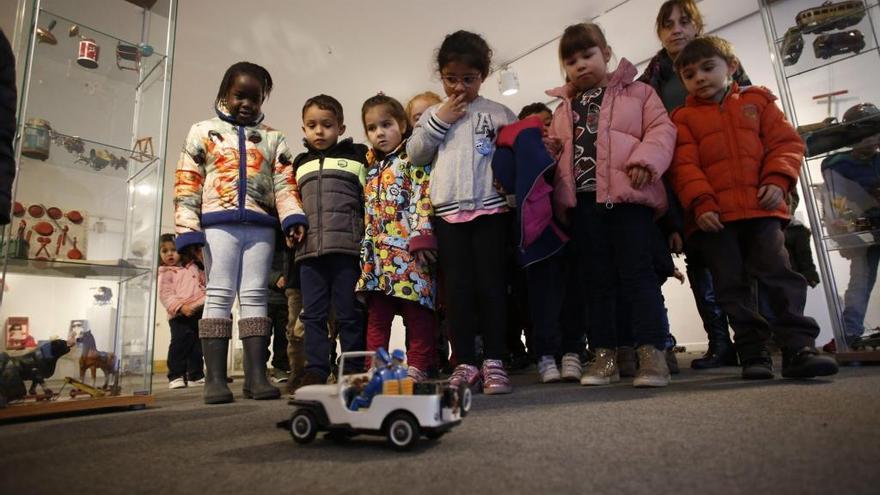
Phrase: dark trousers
[473,262]
[556,305]
[185,349]
[616,246]
[700,278]
[755,249]
[326,280]
[278,313]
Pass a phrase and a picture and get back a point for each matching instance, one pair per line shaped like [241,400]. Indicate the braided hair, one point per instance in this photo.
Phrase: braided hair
[256,71]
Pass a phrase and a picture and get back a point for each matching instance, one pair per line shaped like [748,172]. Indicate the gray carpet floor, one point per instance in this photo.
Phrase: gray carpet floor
[707,433]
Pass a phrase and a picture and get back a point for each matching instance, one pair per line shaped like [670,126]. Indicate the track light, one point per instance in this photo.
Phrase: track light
[508,83]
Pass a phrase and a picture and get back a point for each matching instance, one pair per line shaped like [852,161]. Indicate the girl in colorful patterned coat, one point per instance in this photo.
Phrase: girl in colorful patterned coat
[234,184]
[399,244]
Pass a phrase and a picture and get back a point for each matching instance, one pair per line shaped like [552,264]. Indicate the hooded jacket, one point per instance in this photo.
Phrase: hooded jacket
[331,184]
[726,152]
[634,129]
[213,185]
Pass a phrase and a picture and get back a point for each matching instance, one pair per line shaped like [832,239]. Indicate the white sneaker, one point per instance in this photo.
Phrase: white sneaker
[200,381]
[548,370]
[571,367]
[177,383]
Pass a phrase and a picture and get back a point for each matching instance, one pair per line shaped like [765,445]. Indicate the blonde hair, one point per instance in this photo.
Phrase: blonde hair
[427,95]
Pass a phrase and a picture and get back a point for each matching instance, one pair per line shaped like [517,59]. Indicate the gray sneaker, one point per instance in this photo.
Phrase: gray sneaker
[278,375]
[602,370]
[653,371]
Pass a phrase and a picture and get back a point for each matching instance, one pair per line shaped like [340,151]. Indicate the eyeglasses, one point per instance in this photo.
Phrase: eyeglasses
[468,80]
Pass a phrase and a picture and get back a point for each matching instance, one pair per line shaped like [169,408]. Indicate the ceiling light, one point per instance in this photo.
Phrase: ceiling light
[508,83]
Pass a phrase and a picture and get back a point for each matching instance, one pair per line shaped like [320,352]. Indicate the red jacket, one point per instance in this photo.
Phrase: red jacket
[726,152]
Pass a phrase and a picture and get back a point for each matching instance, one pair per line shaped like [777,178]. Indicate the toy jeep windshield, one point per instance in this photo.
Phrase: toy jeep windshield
[402,412]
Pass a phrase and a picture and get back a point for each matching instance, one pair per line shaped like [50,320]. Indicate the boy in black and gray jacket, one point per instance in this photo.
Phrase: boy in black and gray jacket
[330,177]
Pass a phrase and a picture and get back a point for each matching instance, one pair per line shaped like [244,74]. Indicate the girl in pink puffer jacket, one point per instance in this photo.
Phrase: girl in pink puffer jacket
[614,140]
[182,292]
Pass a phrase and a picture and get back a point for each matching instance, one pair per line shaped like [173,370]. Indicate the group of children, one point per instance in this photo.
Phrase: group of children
[426,215]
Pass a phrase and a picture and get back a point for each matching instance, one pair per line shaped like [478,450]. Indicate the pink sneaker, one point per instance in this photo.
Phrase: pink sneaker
[495,379]
[416,374]
[467,374]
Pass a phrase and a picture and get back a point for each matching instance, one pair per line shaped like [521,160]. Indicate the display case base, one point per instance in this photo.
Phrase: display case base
[858,357]
[43,408]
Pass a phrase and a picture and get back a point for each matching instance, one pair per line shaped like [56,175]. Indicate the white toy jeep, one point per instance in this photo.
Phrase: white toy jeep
[402,412]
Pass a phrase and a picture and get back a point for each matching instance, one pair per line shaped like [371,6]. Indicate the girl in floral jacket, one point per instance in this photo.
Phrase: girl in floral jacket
[399,243]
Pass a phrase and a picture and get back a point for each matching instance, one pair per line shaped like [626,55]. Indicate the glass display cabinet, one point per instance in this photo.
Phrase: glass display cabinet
[79,260]
[827,62]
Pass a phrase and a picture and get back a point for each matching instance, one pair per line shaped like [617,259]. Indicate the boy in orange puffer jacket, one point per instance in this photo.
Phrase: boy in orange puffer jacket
[735,159]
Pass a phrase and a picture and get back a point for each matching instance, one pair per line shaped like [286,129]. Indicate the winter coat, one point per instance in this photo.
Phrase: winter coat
[8,100]
[727,151]
[179,285]
[521,166]
[398,223]
[213,186]
[634,129]
[461,155]
[331,184]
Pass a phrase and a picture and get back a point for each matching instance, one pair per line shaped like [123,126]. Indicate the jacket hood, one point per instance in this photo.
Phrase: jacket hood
[225,116]
[624,75]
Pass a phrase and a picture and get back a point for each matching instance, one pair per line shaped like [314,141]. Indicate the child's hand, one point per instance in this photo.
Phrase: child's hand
[769,196]
[639,175]
[295,235]
[186,310]
[710,222]
[454,109]
[553,145]
[281,282]
[678,275]
[425,257]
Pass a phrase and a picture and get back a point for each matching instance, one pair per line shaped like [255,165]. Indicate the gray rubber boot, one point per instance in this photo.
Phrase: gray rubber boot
[215,334]
[254,332]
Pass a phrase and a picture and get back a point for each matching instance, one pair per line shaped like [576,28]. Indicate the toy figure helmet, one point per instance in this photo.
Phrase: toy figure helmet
[383,356]
[398,355]
[860,111]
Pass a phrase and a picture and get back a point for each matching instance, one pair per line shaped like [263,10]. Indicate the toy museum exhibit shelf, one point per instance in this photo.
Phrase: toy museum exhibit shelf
[826,58]
[78,262]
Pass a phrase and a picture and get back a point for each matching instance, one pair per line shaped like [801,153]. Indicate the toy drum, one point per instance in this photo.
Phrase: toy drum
[88,53]
[37,139]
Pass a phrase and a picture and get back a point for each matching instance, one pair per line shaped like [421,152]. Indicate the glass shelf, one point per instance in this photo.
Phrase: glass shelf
[93,156]
[833,60]
[84,30]
[118,270]
[851,240]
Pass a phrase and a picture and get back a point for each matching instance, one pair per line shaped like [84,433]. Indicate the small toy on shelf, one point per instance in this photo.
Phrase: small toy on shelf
[35,366]
[829,16]
[829,45]
[93,359]
[401,414]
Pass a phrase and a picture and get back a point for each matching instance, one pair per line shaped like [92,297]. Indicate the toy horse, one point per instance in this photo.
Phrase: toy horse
[35,366]
[92,359]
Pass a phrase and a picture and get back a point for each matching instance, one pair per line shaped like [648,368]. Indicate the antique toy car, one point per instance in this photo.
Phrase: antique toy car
[829,45]
[792,46]
[402,412]
[829,16]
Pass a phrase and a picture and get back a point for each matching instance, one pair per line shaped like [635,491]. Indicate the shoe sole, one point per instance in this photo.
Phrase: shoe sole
[572,377]
[497,390]
[820,369]
[551,379]
[592,381]
[651,382]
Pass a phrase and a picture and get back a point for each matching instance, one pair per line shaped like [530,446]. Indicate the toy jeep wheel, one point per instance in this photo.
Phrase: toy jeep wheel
[464,399]
[303,426]
[402,431]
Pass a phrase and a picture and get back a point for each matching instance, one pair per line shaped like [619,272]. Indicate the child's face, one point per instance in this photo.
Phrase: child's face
[588,68]
[459,78]
[321,128]
[168,254]
[419,106]
[383,130]
[546,119]
[676,32]
[244,98]
[707,79]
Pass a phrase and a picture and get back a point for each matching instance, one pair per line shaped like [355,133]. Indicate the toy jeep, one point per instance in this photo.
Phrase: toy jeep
[792,46]
[829,45]
[403,412]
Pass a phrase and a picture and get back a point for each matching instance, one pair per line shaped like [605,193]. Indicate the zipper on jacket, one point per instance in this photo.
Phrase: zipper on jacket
[242,172]
[730,132]
[608,203]
[320,204]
